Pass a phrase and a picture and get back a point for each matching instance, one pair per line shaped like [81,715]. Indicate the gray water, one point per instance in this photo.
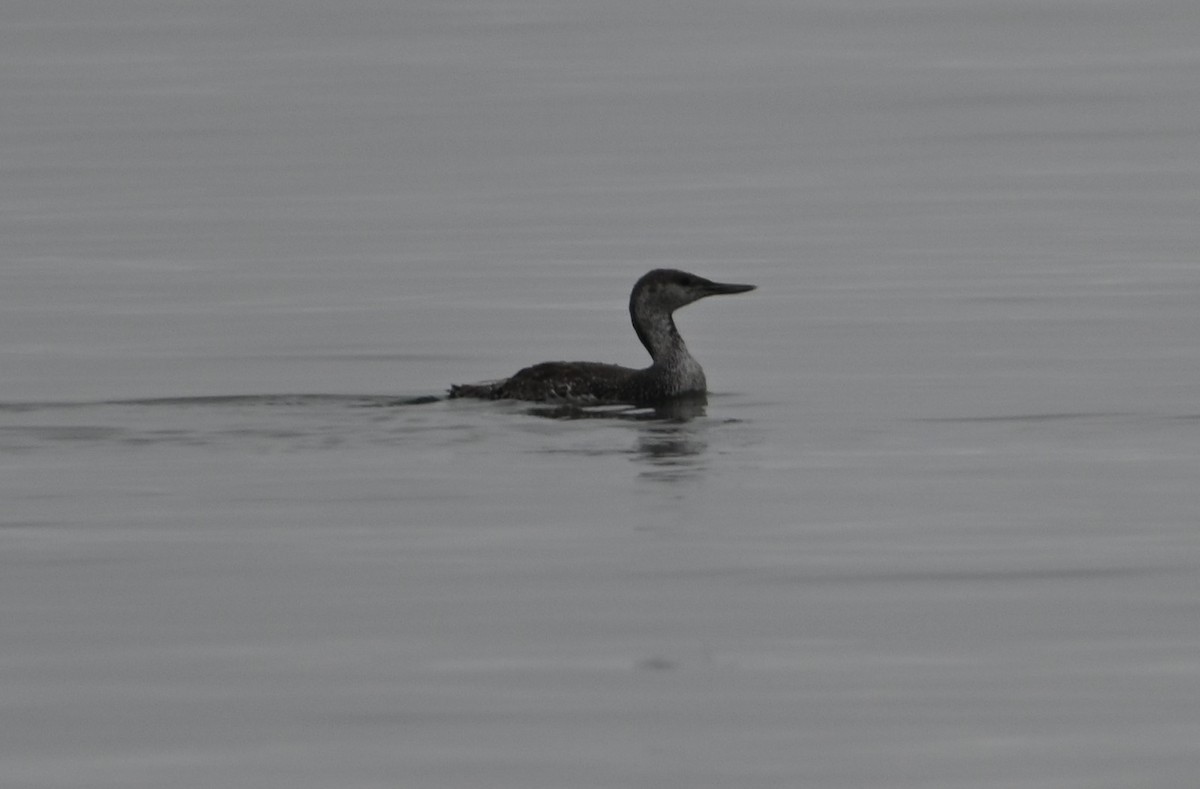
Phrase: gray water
[936,527]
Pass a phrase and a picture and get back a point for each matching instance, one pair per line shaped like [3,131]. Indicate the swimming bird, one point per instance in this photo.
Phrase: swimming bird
[672,372]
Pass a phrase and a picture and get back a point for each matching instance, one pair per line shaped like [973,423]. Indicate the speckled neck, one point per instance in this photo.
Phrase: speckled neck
[673,367]
[656,329]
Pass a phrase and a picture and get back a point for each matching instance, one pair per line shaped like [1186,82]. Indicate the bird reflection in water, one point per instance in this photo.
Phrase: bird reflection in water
[670,437]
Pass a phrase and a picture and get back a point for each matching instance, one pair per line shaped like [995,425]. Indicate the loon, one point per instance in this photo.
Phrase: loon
[673,372]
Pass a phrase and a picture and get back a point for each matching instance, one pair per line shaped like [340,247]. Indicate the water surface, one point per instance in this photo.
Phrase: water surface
[936,526]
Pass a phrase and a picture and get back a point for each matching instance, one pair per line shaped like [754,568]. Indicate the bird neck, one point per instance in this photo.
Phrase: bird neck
[656,329]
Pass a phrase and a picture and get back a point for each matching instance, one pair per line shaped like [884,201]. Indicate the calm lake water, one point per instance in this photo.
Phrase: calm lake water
[938,525]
